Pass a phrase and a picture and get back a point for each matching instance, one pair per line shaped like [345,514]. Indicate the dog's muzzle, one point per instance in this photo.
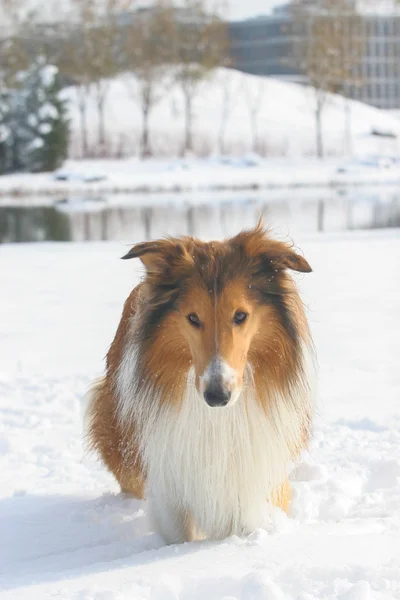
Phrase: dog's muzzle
[217,395]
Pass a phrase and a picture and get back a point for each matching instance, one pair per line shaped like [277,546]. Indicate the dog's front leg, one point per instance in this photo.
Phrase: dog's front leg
[171,521]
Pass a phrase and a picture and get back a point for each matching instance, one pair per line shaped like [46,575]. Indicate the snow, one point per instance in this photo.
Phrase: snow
[66,532]
[249,173]
[48,77]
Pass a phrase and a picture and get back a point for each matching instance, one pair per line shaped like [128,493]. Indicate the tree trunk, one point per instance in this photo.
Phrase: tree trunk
[101,100]
[221,135]
[224,117]
[318,124]
[101,124]
[254,104]
[82,111]
[188,144]
[15,162]
[347,127]
[145,151]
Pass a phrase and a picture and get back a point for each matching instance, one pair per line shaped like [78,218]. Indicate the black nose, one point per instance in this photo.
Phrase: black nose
[217,396]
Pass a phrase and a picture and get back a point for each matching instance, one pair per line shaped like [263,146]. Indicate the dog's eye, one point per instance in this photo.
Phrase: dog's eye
[194,320]
[240,317]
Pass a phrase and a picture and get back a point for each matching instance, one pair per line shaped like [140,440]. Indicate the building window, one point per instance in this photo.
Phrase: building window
[386,48]
[371,28]
[370,91]
[385,26]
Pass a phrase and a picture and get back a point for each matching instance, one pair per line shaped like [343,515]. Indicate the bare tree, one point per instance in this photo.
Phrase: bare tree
[351,53]
[105,63]
[146,52]
[87,57]
[254,100]
[76,60]
[201,45]
[327,50]
[228,94]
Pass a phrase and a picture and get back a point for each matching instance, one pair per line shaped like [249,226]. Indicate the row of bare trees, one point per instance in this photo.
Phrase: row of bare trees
[165,46]
[95,40]
[161,46]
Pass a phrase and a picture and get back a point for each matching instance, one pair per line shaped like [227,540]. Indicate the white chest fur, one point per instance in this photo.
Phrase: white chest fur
[217,465]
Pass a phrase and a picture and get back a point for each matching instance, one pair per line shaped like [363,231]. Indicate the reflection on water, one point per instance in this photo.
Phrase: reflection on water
[80,220]
[34,224]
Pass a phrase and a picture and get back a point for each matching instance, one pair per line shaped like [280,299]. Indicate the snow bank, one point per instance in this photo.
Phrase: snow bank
[67,534]
[250,173]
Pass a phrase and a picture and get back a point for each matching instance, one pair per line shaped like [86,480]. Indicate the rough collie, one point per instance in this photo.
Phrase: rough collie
[207,396]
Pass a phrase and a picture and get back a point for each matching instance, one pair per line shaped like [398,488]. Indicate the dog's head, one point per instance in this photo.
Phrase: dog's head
[220,306]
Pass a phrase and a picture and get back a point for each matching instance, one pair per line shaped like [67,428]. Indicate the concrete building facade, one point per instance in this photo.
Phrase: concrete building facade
[264,45]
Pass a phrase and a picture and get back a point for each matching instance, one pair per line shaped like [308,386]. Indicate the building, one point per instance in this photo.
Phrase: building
[381,64]
[264,45]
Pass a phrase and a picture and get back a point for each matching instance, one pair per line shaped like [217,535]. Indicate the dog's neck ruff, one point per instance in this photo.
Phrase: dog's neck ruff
[219,465]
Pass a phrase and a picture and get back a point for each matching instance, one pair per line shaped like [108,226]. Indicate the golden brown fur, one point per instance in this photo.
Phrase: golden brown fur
[106,436]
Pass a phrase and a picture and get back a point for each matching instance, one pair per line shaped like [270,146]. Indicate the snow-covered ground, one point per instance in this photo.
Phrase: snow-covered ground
[248,173]
[66,533]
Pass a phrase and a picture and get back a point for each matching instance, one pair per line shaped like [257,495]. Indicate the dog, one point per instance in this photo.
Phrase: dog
[208,395]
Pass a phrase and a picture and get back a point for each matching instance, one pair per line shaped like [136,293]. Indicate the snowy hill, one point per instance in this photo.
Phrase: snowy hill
[284,120]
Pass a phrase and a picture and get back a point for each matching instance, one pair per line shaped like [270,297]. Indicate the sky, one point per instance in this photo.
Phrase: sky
[241,9]
[235,9]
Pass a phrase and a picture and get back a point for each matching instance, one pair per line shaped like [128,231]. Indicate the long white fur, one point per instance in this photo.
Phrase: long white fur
[215,466]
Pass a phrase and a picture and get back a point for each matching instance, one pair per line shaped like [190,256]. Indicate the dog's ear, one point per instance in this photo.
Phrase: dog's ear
[146,251]
[278,256]
[159,254]
[289,259]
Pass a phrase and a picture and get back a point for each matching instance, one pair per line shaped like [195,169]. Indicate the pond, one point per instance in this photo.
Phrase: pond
[144,217]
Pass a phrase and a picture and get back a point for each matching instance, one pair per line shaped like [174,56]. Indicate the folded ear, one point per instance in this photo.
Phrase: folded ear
[291,260]
[259,245]
[160,254]
[146,251]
